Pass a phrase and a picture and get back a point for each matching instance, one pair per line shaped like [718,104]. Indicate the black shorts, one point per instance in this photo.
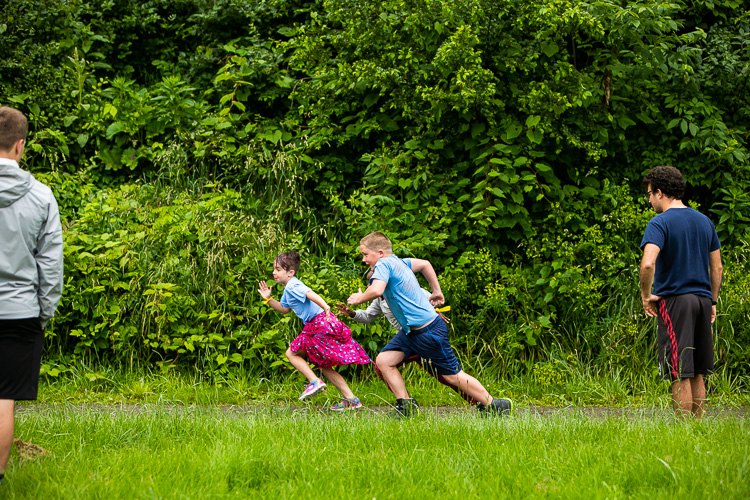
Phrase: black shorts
[686,346]
[21,344]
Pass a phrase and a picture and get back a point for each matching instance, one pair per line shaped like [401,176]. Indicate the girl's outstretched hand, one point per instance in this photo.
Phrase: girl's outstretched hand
[264,291]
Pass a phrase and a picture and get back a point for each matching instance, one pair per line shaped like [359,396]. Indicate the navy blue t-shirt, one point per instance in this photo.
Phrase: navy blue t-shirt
[686,238]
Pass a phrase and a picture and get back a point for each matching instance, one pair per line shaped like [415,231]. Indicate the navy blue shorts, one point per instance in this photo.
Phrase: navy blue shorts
[429,343]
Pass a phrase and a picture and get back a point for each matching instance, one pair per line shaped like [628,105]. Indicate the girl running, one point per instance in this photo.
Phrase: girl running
[325,340]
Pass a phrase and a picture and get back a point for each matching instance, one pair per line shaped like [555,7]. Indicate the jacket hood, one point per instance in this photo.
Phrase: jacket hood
[14,184]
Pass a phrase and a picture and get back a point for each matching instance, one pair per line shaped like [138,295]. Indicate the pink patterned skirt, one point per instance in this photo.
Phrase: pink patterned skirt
[328,342]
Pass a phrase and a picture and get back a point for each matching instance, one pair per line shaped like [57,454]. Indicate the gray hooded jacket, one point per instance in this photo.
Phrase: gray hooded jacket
[31,246]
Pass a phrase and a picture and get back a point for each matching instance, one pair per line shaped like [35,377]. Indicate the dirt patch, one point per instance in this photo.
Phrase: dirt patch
[29,451]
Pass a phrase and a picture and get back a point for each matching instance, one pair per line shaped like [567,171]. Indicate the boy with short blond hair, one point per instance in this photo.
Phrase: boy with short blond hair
[423,333]
[379,307]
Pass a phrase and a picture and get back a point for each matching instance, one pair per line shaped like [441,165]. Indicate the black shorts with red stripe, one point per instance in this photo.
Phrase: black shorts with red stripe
[686,346]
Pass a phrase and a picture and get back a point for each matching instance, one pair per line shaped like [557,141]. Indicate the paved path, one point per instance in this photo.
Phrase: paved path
[280,409]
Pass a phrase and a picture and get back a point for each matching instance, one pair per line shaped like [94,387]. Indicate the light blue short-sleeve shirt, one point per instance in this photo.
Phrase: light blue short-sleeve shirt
[402,291]
[295,298]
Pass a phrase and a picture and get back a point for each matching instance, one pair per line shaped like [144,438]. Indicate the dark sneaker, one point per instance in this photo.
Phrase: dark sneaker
[405,408]
[500,407]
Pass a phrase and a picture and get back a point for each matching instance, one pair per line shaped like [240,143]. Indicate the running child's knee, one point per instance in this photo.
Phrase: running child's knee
[379,362]
[383,361]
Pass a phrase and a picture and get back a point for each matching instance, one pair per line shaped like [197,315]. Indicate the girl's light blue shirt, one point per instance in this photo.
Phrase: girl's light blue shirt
[295,298]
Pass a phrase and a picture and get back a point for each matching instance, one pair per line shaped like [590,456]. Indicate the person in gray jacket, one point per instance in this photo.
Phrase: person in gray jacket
[31,274]
[379,307]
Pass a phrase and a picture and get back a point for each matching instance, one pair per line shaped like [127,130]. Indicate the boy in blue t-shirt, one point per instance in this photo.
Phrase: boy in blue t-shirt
[423,333]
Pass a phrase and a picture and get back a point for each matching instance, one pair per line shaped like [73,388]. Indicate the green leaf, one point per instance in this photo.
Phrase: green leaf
[115,128]
[371,99]
[625,122]
[530,337]
[477,129]
[550,48]
[386,122]
[287,31]
[534,136]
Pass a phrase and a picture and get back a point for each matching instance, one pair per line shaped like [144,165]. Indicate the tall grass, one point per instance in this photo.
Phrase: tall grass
[189,452]
[579,385]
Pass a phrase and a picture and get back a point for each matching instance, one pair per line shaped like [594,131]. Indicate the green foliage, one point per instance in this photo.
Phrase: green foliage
[732,343]
[158,275]
[501,140]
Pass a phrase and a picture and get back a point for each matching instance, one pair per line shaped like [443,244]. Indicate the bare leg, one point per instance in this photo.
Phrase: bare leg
[300,364]
[443,379]
[440,378]
[338,381]
[471,386]
[386,362]
[682,397]
[380,374]
[698,389]
[7,427]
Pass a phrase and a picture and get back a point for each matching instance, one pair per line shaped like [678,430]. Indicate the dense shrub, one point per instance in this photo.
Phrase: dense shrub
[189,141]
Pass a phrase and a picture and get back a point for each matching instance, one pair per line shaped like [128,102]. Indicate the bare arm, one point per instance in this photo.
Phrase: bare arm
[648,268]
[366,316]
[265,292]
[319,301]
[375,290]
[716,271]
[424,267]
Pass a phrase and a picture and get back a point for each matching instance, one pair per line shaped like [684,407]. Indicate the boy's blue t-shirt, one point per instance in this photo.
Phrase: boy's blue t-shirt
[402,291]
[295,298]
[686,237]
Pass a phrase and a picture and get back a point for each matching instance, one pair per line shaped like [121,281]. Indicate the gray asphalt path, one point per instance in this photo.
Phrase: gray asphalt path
[281,409]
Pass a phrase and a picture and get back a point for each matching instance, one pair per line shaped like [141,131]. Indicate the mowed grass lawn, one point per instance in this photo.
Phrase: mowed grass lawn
[166,451]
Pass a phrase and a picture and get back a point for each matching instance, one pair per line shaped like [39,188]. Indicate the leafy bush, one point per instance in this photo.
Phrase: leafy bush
[188,142]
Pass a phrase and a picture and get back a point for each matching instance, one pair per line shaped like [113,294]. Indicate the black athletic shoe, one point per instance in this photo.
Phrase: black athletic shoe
[500,407]
[405,408]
